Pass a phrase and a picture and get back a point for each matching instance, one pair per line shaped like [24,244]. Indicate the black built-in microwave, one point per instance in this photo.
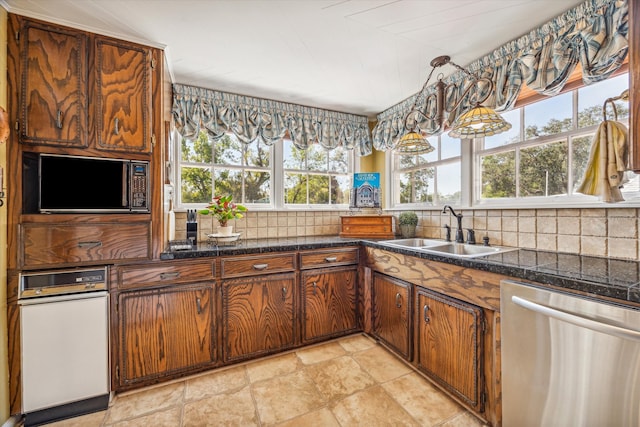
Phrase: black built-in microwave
[68,184]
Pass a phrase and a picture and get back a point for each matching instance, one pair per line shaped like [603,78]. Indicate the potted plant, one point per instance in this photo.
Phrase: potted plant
[407,222]
[223,209]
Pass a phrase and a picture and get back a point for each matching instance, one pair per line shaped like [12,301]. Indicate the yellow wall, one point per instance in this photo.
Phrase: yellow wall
[375,162]
[4,359]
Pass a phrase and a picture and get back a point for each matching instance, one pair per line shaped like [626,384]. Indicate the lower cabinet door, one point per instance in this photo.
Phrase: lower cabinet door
[449,345]
[164,331]
[328,303]
[391,313]
[258,315]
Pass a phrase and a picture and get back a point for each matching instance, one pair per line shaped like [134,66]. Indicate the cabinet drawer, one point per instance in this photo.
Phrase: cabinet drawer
[375,226]
[45,244]
[367,220]
[328,258]
[253,265]
[137,276]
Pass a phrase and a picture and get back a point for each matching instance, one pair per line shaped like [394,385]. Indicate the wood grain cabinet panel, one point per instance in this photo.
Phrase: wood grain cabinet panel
[54,85]
[328,302]
[391,313]
[449,345]
[372,226]
[165,273]
[328,258]
[164,332]
[123,99]
[258,315]
[243,266]
[61,244]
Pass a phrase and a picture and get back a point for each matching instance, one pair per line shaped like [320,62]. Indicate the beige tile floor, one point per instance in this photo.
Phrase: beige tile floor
[351,381]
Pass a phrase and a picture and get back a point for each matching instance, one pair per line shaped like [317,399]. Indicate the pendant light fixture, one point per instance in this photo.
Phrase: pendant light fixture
[478,121]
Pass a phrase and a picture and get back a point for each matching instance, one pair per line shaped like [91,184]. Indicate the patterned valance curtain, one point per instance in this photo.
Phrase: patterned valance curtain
[255,119]
[593,34]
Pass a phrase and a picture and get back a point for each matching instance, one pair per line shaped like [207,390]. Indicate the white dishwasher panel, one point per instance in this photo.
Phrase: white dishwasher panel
[65,349]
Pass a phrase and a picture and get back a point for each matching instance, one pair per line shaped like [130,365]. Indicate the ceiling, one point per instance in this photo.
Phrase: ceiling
[356,56]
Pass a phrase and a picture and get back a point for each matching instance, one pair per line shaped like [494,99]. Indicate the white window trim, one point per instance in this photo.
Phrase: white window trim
[277,182]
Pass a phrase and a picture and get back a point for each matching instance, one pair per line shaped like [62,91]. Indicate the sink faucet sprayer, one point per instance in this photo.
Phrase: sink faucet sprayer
[459,232]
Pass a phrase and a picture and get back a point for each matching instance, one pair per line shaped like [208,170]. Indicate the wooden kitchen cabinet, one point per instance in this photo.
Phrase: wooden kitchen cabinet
[64,71]
[258,304]
[391,313]
[258,315]
[56,244]
[123,96]
[449,337]
[164,332]
[53,85]
[328,303]
[329,295]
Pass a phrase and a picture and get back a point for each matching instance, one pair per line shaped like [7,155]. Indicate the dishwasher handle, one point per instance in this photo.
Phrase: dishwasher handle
[578,320]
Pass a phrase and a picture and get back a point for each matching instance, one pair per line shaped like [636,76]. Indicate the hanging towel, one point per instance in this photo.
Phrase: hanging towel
[607,162]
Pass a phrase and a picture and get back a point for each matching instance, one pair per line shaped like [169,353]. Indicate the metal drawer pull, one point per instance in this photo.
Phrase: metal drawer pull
[315,286]
[89,245]
[576,319]
[59,119]
[398,300]
[167,276]
[260,266]
[284,294]
[425,310]
[198,305]
[331,259]
[116,129]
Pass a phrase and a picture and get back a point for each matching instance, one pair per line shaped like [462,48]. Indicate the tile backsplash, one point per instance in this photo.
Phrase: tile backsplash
[611,232]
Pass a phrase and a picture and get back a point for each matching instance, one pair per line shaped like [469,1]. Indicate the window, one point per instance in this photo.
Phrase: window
[541,158]
[429,179]
[547,150]
[314,176]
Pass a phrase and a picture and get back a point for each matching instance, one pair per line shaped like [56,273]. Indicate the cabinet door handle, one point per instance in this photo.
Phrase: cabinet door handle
[425,311]
[198,305]
[59,119]
[331,259]
[398,300]
[260,266]
[284,294]
[116,127]
[167,276]
[315,287]
[89,245]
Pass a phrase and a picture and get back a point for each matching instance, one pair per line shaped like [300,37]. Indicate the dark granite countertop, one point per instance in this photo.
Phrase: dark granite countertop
[596,276]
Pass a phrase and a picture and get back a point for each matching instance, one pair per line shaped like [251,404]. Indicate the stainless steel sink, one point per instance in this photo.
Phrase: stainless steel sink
[440,247]
[465,250]
[414,243]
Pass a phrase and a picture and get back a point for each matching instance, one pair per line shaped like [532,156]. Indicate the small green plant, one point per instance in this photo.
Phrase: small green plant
[223,209]
[408,218]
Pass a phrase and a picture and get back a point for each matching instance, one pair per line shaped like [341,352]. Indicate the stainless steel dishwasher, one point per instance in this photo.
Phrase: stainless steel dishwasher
[64,337]
[568,360]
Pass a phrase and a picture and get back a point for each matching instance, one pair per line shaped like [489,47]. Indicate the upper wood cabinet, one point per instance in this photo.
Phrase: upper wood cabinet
[81,90]
[123,96]
[53,85]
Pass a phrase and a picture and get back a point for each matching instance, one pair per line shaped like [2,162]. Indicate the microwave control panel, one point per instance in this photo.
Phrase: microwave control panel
[139,186]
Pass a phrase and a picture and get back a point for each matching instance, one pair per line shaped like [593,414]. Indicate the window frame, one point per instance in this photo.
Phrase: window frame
[276,170]
[471,154]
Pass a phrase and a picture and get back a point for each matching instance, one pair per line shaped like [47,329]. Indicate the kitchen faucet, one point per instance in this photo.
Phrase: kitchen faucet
[459,233]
